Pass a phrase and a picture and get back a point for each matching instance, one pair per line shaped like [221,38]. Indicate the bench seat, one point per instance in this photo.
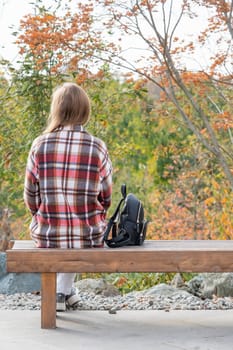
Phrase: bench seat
[152,256]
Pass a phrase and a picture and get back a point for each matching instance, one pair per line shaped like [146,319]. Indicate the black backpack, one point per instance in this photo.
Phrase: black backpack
[127,225]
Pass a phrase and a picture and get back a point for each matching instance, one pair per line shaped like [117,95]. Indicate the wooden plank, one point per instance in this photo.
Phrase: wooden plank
[219,245]
[153,256]
[48,300]
[140,262]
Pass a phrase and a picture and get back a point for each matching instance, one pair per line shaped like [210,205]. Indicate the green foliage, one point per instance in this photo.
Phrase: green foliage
[129,282]
[10,148]
[120,118]
[149,153]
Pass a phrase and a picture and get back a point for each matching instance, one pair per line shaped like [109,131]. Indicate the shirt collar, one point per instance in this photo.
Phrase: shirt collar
[79,128]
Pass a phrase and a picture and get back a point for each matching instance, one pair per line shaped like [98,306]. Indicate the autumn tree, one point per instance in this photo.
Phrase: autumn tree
[96,29]
[196,201]
[164,62]
[56,39]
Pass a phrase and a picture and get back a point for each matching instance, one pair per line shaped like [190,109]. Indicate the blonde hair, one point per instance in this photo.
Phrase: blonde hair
[70,106]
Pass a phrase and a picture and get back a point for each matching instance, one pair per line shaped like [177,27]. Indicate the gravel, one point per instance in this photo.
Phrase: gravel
[131,301]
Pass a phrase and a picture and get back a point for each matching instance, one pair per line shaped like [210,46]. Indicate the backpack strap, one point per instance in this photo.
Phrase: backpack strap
[122,238]
[111,222]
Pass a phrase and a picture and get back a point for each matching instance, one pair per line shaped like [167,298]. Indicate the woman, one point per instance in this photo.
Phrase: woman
[68,183]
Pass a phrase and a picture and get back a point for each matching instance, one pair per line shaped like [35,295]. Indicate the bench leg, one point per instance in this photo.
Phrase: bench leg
[48,300]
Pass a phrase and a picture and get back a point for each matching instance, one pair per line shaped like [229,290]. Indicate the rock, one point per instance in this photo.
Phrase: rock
[207,285]
[11,283]
[97,286]
[195,285]
[177,281]
[165,290]
[20,283]
[112,311]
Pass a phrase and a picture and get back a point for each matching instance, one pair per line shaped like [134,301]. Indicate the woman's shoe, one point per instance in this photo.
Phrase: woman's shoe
[72,300]
[60,302]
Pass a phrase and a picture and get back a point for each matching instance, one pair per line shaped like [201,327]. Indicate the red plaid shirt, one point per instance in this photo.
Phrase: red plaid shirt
[68,187]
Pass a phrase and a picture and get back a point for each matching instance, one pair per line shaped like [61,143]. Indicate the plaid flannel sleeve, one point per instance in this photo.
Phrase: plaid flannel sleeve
[31,185]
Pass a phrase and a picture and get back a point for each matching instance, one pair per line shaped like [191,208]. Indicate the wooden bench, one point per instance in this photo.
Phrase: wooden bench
[153,256]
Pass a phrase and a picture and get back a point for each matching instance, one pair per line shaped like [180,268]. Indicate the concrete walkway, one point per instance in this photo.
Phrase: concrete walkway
[126,330]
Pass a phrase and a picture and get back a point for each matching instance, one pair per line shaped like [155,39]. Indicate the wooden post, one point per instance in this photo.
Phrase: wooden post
[48,300]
